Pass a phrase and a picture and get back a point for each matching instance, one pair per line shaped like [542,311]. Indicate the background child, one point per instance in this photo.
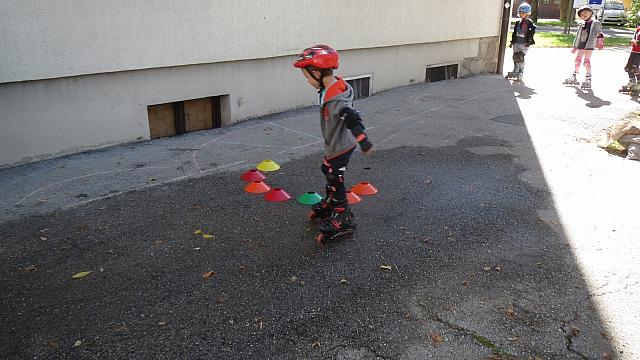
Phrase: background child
[342,128]
[632,64]
[586,40]
[521,39]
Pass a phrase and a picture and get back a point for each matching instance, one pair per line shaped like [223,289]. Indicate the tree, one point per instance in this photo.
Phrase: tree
[534,10]
[632,15]
[566,9]
[563,9]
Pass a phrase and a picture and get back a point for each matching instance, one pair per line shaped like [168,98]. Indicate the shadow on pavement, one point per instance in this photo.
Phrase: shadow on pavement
[523,91]
[476,272]
[592,100]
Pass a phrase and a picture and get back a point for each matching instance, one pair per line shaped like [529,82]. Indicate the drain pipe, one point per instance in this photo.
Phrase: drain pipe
[504,31]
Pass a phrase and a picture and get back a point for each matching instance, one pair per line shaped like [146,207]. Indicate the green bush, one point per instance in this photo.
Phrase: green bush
[632,14]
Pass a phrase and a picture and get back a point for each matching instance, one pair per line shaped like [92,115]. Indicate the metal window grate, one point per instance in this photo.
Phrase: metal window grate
[361,87]
[439,73]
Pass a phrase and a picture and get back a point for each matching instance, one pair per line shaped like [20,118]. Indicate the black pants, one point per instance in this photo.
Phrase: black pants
[632,64]
[334,172]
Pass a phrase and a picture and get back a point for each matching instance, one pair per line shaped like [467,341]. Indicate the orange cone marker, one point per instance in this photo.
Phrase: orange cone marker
[257,187]
[353,198]
[364,188]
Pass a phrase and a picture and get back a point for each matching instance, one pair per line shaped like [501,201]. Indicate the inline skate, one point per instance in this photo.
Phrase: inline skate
[573,80]
[339,225]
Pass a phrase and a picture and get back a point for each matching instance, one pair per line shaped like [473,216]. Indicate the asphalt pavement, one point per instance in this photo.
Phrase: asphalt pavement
[499,231]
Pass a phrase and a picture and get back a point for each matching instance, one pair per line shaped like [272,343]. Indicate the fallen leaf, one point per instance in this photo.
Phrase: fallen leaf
[407,316]
[510,313]
[436,339]
[52,344]
[242,268]
[220,300]
[197,232]
[466,283]
[81,274]
[315,344]
[77,343]
[498,268]
[30,268]
[122,327]
[386,267]
[208,274]
[487,268]
[207,236]
[162,323]
[575,332]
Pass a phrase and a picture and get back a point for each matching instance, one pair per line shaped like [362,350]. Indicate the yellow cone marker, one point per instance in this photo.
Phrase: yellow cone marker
[268,165]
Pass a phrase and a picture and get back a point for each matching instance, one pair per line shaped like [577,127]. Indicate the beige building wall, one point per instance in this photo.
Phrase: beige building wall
[79,75]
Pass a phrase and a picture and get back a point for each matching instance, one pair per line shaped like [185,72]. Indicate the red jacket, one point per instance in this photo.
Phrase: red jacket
[636,37]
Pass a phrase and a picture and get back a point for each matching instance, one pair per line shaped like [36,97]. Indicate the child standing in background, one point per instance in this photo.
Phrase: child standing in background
[588,37]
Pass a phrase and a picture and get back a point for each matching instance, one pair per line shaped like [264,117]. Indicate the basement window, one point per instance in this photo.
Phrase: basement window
[439,73]
[186,116]
[361,85]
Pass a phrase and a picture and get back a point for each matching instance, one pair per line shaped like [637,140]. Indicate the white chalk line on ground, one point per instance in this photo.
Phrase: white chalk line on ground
[86,176]
[199,170]
[435,109]
[154,185]
[195,153]
[253,145]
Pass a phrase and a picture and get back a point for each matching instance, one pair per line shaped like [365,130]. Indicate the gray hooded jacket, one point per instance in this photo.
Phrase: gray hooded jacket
[338,139]
[595,30]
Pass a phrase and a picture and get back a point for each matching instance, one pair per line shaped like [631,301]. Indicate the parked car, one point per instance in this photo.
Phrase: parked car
[612,12]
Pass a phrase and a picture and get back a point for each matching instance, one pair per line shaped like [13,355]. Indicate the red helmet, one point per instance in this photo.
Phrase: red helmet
[319,57]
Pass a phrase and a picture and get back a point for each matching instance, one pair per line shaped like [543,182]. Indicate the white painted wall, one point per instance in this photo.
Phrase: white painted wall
[42,119]
[43,39]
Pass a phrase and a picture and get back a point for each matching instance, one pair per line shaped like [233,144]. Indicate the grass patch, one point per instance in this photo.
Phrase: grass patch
[549,40]
[552,22]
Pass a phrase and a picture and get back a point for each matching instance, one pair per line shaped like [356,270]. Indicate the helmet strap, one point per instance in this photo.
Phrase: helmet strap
[310,70]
